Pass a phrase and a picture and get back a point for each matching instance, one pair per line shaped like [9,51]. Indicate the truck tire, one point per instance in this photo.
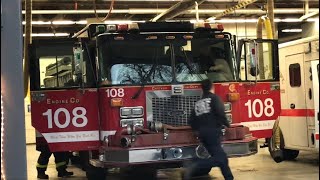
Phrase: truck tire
[202,172]
[275,153]
[96,173]
[289,154]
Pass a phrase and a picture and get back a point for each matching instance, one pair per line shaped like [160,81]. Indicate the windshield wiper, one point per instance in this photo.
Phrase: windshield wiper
[189,66]
[144,80]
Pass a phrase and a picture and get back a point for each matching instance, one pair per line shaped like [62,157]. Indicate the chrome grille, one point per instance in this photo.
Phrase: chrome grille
[174,110]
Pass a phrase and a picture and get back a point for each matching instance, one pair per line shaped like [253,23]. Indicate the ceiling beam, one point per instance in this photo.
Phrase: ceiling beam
[232,9]
[177,9]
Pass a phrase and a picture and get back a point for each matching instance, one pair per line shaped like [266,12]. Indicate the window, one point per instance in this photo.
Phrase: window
[55,71]
[153,62]
[258,61]
[295,75]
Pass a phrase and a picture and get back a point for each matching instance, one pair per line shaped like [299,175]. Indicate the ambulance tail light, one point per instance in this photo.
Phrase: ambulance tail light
[116,102]
[233,97]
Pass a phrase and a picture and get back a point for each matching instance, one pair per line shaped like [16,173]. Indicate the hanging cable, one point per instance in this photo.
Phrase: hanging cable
[109,13]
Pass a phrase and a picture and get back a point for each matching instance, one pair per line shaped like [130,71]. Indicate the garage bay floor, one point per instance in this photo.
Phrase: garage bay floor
[256,167]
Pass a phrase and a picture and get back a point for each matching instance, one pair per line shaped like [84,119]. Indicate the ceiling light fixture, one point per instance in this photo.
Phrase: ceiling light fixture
[122,22]
[291,30]
[81,22]
[84,22]
[158,11]
[38,22]
[49,34]
[313,20]
[235,21]
[63,22]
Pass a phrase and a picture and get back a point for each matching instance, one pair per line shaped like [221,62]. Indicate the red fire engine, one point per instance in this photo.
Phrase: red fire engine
[123,93]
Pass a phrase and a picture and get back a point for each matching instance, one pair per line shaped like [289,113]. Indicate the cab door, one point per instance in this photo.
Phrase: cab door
[64,99]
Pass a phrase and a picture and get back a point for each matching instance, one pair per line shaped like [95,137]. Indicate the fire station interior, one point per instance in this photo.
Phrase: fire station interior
[112,84]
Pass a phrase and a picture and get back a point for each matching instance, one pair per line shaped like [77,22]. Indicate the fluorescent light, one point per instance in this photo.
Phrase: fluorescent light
[48,34]
[313,19]
[38,22]
[235,21]
[122,22]
[66,22]
[81,22]
[287,20]
[63,22]
[195,21]
[291,30]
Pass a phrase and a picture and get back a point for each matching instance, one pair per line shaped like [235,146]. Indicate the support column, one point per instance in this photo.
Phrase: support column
[14,138]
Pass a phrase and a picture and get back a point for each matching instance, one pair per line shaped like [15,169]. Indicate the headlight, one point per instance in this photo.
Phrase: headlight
[177,152]
[134,122]
[227,107]
[128,112]
[229,117]
[202,152]
[137,111]
[125,112]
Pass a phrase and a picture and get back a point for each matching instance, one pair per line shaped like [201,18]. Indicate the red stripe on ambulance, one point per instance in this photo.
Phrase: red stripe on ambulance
[297,112]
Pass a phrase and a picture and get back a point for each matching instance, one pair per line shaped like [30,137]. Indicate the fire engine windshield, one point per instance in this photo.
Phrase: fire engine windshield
[165,61]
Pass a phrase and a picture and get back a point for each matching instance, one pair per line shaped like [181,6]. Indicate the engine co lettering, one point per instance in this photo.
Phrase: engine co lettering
[262,92]
[63,101]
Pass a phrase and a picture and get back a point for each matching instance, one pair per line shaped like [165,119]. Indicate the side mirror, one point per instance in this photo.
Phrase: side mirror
[253,54]
[78,63]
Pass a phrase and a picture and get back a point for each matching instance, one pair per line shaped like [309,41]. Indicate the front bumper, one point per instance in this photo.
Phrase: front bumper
[120,157]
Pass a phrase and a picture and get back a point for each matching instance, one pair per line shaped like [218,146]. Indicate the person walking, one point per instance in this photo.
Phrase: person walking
[207,120]
[42,163]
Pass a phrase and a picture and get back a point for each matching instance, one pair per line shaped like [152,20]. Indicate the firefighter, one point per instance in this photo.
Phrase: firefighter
[207,120]
[60,161]
[219,69]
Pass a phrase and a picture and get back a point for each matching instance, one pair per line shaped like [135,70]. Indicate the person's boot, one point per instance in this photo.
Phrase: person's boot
[64,173]
[42,174]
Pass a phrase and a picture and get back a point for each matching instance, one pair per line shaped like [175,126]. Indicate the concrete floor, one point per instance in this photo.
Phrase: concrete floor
[256,167]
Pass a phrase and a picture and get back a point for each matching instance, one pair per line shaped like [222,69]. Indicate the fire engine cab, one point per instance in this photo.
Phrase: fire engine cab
[123,93]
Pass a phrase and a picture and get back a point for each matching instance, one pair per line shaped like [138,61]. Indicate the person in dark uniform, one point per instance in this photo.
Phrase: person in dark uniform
[207,120]
[45,153]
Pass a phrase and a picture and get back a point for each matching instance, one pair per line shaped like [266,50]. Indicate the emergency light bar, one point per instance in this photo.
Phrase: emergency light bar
[94,30]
